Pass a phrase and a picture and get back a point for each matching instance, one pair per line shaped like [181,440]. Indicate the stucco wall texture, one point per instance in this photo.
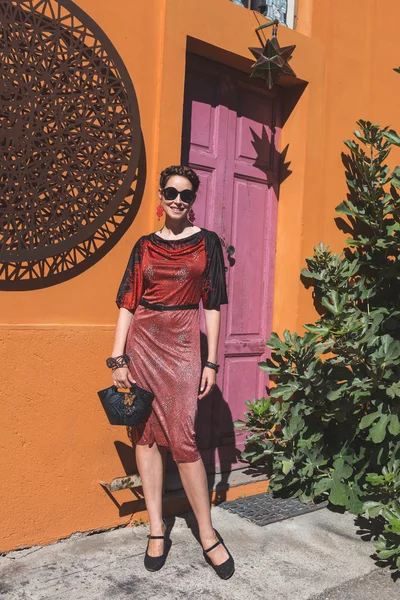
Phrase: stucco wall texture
[56,443]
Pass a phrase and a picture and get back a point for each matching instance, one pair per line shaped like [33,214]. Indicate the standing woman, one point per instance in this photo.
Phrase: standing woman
[158,328]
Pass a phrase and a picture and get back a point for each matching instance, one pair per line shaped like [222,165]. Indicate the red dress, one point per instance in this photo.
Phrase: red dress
[162,286]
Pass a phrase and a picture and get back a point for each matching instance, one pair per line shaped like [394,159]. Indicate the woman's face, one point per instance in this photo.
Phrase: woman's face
[176,209]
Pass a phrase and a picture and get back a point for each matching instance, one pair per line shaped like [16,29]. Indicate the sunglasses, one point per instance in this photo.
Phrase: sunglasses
[187,196]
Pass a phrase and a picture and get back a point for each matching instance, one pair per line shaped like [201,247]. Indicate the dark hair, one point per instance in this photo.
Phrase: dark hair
[182,171]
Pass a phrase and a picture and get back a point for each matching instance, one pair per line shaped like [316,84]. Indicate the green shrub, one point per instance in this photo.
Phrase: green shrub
[330,427]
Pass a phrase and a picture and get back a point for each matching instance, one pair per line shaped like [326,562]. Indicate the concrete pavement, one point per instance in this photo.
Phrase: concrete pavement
[317,556]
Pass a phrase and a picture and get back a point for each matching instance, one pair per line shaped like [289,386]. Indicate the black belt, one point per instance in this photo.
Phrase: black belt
[154,306]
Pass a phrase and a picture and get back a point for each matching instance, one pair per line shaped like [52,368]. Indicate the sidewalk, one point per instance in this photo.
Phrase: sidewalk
[317,556]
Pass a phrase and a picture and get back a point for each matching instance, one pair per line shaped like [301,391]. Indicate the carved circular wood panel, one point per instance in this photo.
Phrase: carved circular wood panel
[70,142]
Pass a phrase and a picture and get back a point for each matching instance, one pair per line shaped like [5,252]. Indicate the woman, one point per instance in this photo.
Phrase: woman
[168,272]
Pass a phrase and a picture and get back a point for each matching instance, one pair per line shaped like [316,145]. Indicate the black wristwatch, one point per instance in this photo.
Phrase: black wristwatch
[212,366]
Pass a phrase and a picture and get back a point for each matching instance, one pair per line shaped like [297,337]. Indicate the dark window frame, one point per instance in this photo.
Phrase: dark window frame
[290,14]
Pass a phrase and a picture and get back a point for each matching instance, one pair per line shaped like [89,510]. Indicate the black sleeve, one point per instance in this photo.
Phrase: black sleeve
[131,288]
[213,291]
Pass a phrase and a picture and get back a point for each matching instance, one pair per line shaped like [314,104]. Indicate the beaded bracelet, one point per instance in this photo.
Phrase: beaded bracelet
[116,362]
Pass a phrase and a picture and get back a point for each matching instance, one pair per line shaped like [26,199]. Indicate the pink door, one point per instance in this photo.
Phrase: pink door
[230,137]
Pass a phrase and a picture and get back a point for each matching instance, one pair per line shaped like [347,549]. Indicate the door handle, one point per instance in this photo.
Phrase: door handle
[230,250]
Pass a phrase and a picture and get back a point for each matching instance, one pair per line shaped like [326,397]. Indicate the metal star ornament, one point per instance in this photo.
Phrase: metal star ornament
[272,59]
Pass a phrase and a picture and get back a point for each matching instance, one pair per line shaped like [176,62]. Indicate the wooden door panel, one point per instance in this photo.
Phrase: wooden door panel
[241,379]
[203,204]
[202,111]
[245,314]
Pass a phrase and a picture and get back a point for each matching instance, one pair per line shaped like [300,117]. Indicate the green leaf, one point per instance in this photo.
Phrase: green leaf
[335,305]
[275,343]
[375,479]
[344,209]
[287,465]
[293,427]
[322,485]
[372,508]
[355,505]
[306,273]
[367,420]
[396,182]
[380,544]
[392,137]
[394,425]
[319,329]
[377,433]
[338,493]
[385,554]
[342,469]
[247,455]
[285,391]
[335,394]
[395,528]
[388,351]
[359,135]
[391,517]
[394,390]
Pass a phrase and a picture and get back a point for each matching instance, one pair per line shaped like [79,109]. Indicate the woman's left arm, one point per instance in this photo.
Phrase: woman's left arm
[209,376]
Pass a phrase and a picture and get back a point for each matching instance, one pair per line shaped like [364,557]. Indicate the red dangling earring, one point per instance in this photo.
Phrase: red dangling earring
[191,216]
[159,211]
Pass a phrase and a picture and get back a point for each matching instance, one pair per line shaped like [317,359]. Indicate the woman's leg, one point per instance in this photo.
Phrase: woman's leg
[194,479]
[149,460]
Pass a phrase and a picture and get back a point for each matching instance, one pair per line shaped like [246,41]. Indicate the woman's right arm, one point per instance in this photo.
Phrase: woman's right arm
[122,377]
[129,293]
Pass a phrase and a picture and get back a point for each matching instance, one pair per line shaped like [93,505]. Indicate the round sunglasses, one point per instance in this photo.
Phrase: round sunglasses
[171,193]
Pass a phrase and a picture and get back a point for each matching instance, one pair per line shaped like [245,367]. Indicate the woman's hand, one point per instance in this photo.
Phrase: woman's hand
[208,380]
[122,377]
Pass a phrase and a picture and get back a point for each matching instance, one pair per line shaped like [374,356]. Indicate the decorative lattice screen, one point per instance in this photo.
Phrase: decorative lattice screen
[70,143]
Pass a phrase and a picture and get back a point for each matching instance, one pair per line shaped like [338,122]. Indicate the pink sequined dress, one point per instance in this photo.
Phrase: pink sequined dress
[162,286]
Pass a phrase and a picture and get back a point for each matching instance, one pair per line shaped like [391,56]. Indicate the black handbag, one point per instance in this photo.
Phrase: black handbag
[126,408]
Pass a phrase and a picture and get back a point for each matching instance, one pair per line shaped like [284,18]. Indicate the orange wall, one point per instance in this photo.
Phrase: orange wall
[56,443]
[359,82]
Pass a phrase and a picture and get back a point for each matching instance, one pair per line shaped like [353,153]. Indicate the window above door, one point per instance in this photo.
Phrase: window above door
[283,10]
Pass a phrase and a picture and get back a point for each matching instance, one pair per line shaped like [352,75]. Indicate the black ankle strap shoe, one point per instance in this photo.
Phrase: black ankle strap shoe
[227,568]
[155,563]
